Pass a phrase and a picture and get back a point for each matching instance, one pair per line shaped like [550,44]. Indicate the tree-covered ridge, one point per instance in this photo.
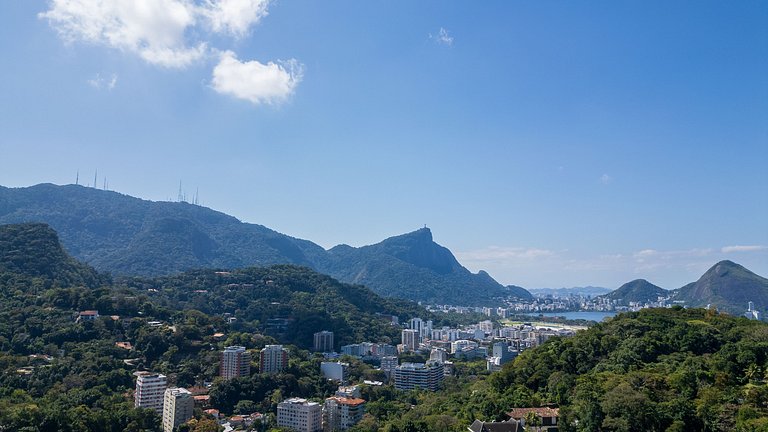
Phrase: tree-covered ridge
[128,236]
[727,286]
[300,299]
[638,290]
[30,254]
[654,370]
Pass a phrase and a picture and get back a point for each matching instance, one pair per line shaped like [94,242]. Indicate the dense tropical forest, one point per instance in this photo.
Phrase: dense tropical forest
[655,370]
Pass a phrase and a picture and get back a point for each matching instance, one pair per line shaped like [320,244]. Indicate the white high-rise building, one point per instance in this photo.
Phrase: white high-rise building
[177,408]
[274,358]
[150,388]
[235,362]
[423,328]
[409,376]
[410,339]
[300,415]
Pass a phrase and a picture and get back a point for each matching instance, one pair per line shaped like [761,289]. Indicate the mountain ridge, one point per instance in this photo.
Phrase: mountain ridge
[126,235]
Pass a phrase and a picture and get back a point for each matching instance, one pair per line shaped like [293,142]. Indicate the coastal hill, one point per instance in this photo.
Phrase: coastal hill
[727,286]
[124,235]
[638,290]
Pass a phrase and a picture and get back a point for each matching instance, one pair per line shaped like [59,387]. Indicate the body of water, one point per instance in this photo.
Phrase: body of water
[585,315]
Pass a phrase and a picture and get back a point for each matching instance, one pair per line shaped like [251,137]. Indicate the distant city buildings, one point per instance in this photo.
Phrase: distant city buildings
[323,341]
[177,408]
[150,390]
[409,376]
[273,359]
[300,415]
[235,362]
[369,350]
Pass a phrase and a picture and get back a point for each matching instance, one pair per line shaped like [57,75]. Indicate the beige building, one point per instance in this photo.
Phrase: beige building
[177,408]
[235,362]
[341,413]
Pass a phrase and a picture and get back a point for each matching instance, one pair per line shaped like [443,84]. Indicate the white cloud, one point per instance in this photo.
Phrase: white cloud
[442,37]
[153,29]
[606,179]
[755,248]
[234,16]
[99,82]
[496,253]
[256,82]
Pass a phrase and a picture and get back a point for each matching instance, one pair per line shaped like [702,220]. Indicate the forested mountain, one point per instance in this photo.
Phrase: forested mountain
[727,286]
[638,290]
[128,236]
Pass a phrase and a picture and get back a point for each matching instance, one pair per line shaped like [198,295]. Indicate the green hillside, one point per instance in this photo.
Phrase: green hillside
[639,290]
[128,236]
[727,286]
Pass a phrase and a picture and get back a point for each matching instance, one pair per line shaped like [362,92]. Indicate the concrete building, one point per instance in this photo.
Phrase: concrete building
[334,370]
[300,415]
[274,358]
[324,341]
[177,408]
[235,362]
[438,355]
[410,339]
[423,328]
[409,376]
[341,413]
[150,388]
[388,364]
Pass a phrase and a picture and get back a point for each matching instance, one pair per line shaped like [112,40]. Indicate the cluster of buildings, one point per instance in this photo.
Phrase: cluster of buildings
[174,404]
[338,413]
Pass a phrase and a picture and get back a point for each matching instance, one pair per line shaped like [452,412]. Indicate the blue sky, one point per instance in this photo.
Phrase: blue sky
[552,144]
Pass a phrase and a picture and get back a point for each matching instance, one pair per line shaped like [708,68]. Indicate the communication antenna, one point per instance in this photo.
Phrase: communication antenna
[94,177]
[179,198]
[77,177]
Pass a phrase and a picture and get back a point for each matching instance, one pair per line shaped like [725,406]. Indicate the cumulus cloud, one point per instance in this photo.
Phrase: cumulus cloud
[98,82]
[256,82]
[442,37]
[176,34]
[153,29]
[755,248]
[497,253]
[234,16]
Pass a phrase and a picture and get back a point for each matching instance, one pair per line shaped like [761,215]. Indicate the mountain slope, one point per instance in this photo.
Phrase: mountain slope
[727,286]
[32,257]
[414,265]
[129,236]
[638,290]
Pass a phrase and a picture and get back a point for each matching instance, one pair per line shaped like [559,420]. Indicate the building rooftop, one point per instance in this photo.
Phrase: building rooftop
[299,401]
[348,401]
[520,413]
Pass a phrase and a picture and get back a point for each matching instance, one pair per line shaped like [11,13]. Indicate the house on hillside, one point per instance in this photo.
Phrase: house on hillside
[542,419]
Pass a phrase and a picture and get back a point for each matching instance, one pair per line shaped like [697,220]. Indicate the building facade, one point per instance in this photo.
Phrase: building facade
[150,389]
[274,358]
[324,341]
[341,413]
[300,415]
[410,339]
[409,376]
[177,408]
[235,362]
